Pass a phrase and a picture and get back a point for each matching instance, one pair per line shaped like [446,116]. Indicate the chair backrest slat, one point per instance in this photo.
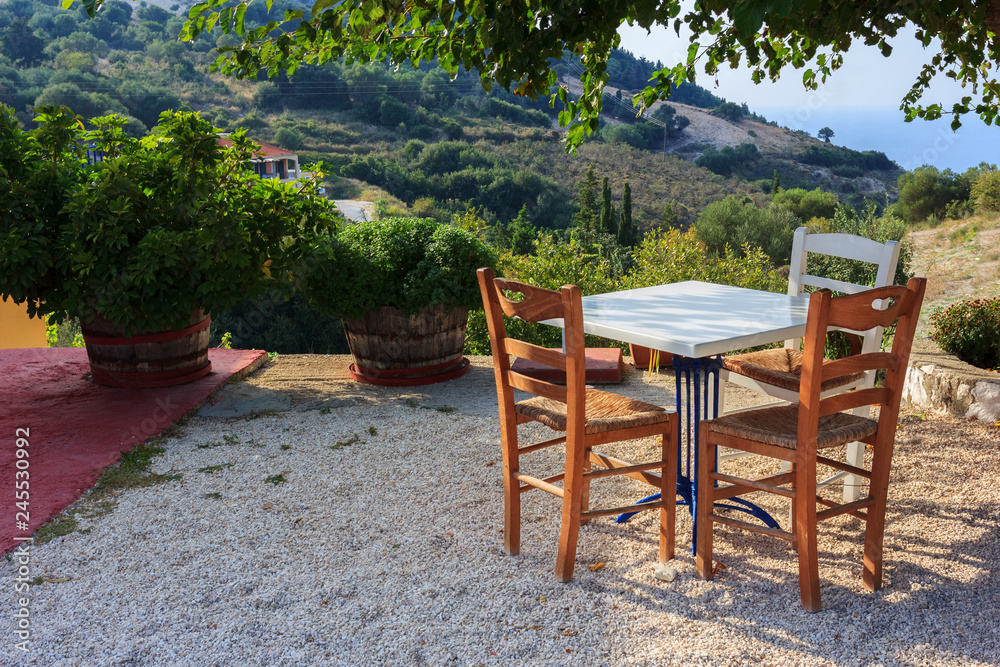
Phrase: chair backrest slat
[876,307]
[858,363]
[538,304]
[850,246]
[858,398]
[537,387]
[832,284]
[536,353]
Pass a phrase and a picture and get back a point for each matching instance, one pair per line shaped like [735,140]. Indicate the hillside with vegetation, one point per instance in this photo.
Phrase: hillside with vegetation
[495,152]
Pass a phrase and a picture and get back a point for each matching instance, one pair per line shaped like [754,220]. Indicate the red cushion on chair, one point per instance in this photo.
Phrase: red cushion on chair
[604,366]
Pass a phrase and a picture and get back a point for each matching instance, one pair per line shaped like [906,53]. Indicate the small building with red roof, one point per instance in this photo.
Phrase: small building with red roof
[272,161]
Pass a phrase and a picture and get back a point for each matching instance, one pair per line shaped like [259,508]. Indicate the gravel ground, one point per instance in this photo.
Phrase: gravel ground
[383,546]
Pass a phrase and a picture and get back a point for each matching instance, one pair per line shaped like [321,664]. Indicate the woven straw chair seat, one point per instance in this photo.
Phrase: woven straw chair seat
[779,426]
[604,412]
[781,367]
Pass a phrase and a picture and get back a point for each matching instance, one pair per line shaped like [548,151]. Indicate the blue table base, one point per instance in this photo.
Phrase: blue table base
[701,378]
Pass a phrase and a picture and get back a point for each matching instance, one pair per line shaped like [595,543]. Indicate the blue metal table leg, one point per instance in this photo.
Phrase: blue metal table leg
[693,405]
[682,398]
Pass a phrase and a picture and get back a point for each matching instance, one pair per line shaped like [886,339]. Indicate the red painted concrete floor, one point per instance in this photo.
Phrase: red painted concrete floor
[75,429]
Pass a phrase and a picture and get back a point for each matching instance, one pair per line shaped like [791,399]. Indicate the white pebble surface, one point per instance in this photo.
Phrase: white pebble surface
[387,549]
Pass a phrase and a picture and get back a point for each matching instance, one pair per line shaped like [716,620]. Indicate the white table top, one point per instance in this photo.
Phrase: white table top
[695,319]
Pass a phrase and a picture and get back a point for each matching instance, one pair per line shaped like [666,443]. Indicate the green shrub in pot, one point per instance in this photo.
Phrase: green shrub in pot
[161,227]
[403,288]
[411,264]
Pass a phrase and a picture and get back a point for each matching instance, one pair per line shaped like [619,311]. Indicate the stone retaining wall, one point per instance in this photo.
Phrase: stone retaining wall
[939,382]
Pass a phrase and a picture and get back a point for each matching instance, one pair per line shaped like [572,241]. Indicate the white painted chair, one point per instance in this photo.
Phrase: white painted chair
[776,372]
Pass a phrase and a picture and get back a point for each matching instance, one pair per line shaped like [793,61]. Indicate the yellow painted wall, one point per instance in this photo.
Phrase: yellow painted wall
[17,329]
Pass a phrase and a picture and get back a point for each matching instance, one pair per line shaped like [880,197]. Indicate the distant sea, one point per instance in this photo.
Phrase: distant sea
[908,144]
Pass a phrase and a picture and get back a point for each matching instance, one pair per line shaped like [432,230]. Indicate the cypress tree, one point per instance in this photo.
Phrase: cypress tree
[626,231]
[608,223]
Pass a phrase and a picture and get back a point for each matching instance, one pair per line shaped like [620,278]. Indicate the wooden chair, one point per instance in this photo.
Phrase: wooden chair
[776,372]
[795,433]
[586,417]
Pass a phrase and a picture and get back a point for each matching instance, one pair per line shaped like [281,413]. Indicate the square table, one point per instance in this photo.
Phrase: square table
[697,321]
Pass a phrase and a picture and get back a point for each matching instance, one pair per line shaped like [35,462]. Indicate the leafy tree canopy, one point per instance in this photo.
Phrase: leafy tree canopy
[515,45]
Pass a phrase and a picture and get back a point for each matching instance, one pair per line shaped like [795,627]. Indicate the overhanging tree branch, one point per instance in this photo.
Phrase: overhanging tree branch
[516,44]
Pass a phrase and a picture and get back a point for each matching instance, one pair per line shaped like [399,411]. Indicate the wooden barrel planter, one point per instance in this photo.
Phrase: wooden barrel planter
[147,359]
[393,349]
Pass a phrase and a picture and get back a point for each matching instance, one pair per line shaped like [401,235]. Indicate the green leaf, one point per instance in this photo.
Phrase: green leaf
[780,8]
[320,5]
[748,16]
[238,20]
[198,9]
[692,53]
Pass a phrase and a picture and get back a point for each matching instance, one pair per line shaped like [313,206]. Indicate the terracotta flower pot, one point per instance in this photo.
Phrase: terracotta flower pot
[641,356]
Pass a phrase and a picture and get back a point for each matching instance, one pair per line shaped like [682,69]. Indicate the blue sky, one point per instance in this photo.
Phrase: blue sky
[866,78]
[860,101]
